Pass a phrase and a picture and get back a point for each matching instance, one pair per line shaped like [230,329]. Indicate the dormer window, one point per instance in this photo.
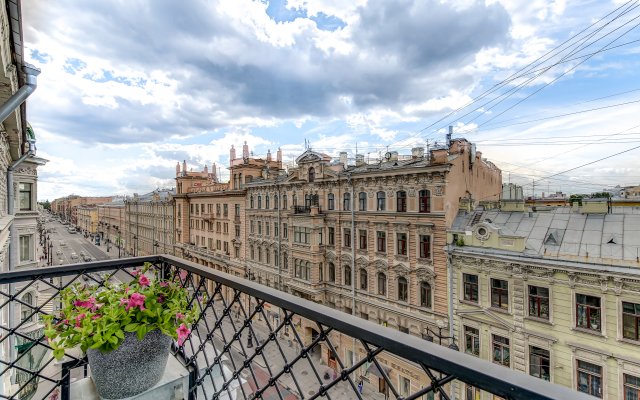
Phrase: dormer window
[312,174]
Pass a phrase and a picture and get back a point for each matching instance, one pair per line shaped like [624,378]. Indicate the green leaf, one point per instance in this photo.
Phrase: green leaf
[120,334]
[131,327]
[58,354]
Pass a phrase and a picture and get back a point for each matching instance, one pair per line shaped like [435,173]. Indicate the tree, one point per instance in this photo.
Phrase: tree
[46,205]
[598,195]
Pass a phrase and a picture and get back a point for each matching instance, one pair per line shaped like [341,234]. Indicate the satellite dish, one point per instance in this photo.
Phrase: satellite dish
[387,155]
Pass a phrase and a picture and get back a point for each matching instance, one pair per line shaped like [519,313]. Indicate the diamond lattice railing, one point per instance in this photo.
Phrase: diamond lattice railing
[250,342]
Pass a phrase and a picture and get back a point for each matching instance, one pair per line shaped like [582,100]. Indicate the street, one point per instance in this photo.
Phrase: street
[64,244]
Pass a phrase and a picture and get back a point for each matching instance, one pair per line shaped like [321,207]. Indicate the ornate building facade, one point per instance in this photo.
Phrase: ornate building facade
[149,222]
[111,223]
[552,294]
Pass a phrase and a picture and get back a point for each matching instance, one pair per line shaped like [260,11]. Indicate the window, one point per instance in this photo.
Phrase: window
[237,231]
[251,202]
[631,387]
[275,229]
[285,261]
[363,279]
[588,312]
[307,201]
[501,350]
[401,201]
[275,202]
[294,199]
[539,363]
[402,243]
[285,231]
[301,234]
[259,254]
[472,393]
[346,206]
[332,272]
[284,202]
[424,201]
[380,201]
[259,201]
[472,341]
[470,287]
[267,228]
[362,236]
[259,227]
[347,275]
[302,269]
[225,210]
[405,385]
[381,239]
[425,246]
[347,237]
[237,210]
[331,201]
[538,302]
[312,174]
[382,284]
[225,227]
[24,309]
[252,252]
[425,294]
[25,196]
[217,209]
[500,294]
[362,201]
[403,289]
[630,320]
[26,254]
[266,202]
[589,378]
[332,236]
[320,273]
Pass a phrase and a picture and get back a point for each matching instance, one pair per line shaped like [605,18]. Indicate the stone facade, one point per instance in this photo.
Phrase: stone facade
[111,224]
[570,314]
[149,223]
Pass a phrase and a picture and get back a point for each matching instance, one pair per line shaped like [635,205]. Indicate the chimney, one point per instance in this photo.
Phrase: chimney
[232,154]
[245,150]
[206,169]
[214,174]
[417,152]
[184,167]
[343,158]
[359,160]
[279,155]
[449,136]
[178,168]
[269,155]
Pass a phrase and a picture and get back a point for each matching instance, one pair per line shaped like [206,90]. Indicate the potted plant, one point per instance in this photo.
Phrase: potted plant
[125,329]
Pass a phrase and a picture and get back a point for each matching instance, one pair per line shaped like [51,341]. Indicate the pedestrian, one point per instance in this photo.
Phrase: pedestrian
[360,385]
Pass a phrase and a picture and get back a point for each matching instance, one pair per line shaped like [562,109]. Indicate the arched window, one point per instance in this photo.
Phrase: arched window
[424,201]
[275,202]
[347,275]
[364,280]
[381,201]
[403,289]
[266,202]
[425,294]
[332,272]
[251,202]
[331,202]
[362,201]
[346,206]
[382,284]
[259,201]
[401,198]
[312,174]
[24,308]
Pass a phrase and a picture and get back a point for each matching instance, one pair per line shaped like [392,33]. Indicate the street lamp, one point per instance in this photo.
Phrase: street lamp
[135,246]
[155,247]
[429,336]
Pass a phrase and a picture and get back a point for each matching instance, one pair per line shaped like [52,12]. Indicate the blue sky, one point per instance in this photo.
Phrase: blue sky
[129,89]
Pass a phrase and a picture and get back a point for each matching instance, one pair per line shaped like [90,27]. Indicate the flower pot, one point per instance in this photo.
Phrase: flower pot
[132,368]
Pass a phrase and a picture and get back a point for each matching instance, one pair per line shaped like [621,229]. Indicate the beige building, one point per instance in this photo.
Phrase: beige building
[87,219]
[551,294]
[149,222]
[367,238]
[111,222]
[67,207]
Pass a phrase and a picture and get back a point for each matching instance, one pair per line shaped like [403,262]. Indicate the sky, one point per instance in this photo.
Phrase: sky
[130,88]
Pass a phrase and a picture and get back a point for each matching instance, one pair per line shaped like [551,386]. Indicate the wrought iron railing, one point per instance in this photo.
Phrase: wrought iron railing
[251,342]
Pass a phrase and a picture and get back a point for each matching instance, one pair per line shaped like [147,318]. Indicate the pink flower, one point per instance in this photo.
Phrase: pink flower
[135,272]
[136,300]
[85,303]
[96,317]
[126,290]
[179,315]
[66,322]
[183,275]
[124,302]
[143,280]
[182,332]
[164,284]
[79,318]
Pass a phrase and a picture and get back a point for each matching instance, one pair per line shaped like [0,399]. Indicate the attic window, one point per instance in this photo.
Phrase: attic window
[551,239]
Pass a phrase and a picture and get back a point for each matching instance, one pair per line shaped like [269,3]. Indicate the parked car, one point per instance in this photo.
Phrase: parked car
[74,256]
[58,252]
[63,243]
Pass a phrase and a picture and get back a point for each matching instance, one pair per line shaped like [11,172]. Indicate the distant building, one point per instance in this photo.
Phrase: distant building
[111,225]
[552,294]
[149,222]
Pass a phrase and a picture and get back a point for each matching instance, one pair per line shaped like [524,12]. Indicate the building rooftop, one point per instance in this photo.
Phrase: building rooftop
[562,233]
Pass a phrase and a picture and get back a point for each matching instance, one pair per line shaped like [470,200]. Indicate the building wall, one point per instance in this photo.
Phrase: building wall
[149,224]
[111,224]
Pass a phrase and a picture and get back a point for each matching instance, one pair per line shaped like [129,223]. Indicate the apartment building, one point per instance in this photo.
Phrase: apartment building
[87,219]
[111,223]
[148,223]
[552,294]
[367,238]
[67,207]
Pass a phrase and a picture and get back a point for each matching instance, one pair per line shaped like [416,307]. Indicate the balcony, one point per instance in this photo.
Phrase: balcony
[251,341]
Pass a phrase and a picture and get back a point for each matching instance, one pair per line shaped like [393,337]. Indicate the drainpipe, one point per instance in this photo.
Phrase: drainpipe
[353,260]
[5,110]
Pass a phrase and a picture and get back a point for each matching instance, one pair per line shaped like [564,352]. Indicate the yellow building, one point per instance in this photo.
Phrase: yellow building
[552,294]
[87,219]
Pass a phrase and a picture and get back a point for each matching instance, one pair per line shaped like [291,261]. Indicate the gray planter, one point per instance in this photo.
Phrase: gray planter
[132,368]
